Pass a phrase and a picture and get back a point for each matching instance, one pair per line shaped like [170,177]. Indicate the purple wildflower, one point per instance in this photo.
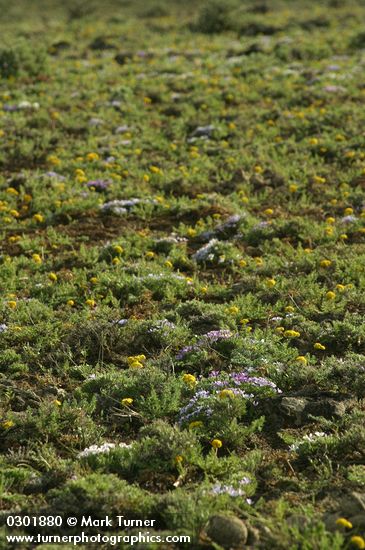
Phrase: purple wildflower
[333,89]
[10,108]
[208,338]
[52,174]
[184,351]
[349,219]
[219,489]
[214,336]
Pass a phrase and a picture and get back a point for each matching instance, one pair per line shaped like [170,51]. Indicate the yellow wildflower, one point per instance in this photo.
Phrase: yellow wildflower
[291,333]
[126,401]
[136,361]
[14,238]
[136,365]
[319,346]
[195,424]
[189,379]
[358,541]
[118,249]
[226,393]
[325,263]
[36,258]
[7,424]
[92,156]
[216,443]
[54,160]
[343,522]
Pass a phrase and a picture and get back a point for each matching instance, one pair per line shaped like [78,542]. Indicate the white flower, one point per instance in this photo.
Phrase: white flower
[205,252]
[103,449]
[311,437]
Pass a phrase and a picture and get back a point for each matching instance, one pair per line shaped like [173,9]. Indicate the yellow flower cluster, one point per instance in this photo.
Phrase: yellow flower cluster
[189,380]
[126,401]
[195,424]
[291,333]
[226,393]
[136,361]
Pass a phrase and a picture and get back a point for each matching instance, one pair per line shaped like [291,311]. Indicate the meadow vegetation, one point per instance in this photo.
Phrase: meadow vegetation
[182,219]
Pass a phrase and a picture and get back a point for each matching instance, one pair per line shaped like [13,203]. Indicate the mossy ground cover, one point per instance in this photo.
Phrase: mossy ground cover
[182,266]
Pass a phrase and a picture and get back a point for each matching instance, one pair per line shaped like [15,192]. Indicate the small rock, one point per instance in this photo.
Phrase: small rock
[227,531]
[96,122]
[296,408]
[203,131]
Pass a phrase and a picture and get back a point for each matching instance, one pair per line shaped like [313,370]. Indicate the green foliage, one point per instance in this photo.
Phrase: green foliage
[181,264]
[215,17]
[99,495]
[22,59]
